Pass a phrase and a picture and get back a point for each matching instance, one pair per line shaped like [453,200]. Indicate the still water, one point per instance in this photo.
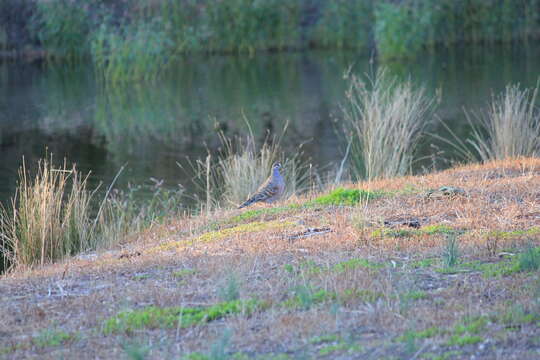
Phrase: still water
[151,127]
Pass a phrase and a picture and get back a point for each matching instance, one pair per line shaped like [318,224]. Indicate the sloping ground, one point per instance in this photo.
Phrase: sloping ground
[306,280]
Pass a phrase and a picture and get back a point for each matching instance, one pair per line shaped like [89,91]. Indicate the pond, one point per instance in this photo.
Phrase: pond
[150,128]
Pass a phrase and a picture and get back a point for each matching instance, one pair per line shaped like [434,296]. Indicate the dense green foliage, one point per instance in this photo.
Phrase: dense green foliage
[137,39]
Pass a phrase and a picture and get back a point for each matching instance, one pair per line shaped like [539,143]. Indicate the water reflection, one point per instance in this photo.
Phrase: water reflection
[151,126]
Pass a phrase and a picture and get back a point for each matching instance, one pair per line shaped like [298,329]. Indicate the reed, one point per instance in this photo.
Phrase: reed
[139,51]
[62,27]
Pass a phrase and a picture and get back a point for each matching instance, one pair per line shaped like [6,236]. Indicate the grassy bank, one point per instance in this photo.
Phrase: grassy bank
[138,39]
[53,215]
[440,266]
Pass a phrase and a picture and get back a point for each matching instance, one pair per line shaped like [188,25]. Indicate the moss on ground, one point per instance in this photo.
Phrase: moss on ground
[351,197]
[168,317]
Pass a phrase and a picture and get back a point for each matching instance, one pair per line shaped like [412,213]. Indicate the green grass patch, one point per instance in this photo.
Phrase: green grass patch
[466,332]
[223,233]
[471,326]
[462,340]
[339,347]
[363,295]
[426,230]
[514,234]
[256,213]
[305,297]
[168,317]
[324,339]
[526,261]
[420,334]
[244,228]
[350,197]
[516,316]
[529,260]
[424,263]
[140,277]
[356,263]
[183,273]
[310,267]
[414,295]
[48,338]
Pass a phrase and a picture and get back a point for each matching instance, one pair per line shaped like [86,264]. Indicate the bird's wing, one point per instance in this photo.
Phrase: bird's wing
[267,190]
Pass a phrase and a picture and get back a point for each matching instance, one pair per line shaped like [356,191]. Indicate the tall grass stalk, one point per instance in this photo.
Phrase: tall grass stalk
[49,218]
[510,128]
[385,119]
[242,172]
[450,254]
[52,215]
[242,167]
[125,212]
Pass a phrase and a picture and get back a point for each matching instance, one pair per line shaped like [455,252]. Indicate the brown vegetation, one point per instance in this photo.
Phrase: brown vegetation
[361,290]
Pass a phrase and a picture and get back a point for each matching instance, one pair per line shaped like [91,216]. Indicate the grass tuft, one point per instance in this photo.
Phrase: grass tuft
[529,260]
[50,217]
[511,126]
[385,120]
[450,255]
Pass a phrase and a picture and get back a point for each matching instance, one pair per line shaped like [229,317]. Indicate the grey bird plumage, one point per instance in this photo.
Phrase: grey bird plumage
[271,190]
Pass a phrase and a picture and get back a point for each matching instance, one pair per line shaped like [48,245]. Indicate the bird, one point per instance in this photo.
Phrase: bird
[271,190]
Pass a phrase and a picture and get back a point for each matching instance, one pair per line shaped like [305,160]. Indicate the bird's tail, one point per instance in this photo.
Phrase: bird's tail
[247,203]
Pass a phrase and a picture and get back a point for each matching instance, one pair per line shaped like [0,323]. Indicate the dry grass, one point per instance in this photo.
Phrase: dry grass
[49,218]
[353,292]
[243,167]
[385,119]
[512,126]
